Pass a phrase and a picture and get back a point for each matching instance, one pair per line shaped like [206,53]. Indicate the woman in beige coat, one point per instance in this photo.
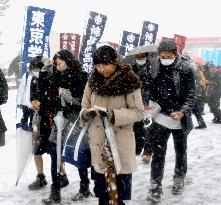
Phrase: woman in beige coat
[117,89]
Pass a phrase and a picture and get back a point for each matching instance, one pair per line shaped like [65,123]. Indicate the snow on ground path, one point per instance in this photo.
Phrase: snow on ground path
[202,186]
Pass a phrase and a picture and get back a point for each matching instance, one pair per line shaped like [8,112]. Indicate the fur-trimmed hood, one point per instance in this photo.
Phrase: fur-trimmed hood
[123,82]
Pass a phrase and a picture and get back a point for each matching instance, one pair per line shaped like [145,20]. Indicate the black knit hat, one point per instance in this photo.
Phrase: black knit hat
[167,45]
[36,62]
[105,55]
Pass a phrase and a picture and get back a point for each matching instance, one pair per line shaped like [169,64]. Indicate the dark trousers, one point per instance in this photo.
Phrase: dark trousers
[124,186]
[160,136]
[214,104]
[198,111]
[2,139]
[83,174]
[53,154]
[142,137]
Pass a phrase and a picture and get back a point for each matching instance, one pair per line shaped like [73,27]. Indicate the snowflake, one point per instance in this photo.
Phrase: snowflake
[96,31]
[36,35]
[131,38]
[34,50]
[98,19]
[38,18]
[65,45]
[151,27]
[149,37]
[65,36]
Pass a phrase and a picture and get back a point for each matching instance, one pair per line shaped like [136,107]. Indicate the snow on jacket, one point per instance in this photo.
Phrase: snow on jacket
[122,94]
[184,93]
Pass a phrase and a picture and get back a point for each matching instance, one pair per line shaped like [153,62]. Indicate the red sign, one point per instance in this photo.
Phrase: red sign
[71,42]
[180,42]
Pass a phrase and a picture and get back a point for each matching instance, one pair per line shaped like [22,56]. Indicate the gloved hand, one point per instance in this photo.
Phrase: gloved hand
[89,114]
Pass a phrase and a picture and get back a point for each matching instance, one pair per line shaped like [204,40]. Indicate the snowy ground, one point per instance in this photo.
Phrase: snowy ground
[202,187]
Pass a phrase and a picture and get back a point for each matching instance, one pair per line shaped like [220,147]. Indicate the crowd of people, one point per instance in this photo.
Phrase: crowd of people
[122,94]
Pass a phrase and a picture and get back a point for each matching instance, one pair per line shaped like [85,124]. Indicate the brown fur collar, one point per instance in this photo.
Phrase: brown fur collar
[123,82]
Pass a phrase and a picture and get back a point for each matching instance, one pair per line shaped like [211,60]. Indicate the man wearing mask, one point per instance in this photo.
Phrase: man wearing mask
[142,69]
[172,86]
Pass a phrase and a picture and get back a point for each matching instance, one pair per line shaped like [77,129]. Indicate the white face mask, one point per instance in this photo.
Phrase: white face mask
[167,62]
[141,62]
[36,73]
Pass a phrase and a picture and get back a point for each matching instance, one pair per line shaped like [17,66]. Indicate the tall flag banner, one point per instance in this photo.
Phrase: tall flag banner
[180,42]
[149,33]
[94,31]
[129,41]
[36,35]
[71,42]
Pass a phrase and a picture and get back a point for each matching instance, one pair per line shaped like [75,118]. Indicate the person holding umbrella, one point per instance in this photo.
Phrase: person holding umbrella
[115,89]
[143,142]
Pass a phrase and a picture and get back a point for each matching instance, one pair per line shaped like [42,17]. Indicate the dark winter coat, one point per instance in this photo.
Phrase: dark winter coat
[74,81]
[214,88]
[3,98]
[122,94]
[41,91]
[143,72]
[174,89]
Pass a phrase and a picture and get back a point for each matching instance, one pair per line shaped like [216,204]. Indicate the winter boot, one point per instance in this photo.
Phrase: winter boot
[155,193]
[55,195]
[38,183]
[201,125]
[84,192]
[63,179]
[178,185]
[217,121]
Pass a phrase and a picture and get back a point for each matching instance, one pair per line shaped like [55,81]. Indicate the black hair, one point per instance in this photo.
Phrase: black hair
[68,57]
[105,55]
[167,45]
[36,62]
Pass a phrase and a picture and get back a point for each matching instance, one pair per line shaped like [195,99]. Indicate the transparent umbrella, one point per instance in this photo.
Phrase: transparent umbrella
[130,57]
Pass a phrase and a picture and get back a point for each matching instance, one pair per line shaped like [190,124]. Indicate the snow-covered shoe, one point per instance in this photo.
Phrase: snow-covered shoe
[38,183]
[63,180]
[178,185]
[146,158]
[55,195]
[155,194]
[84,192]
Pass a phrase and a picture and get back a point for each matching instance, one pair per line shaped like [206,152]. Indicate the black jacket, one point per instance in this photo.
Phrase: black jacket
[174,90]
[74,81]
[143,72]
[3,98]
